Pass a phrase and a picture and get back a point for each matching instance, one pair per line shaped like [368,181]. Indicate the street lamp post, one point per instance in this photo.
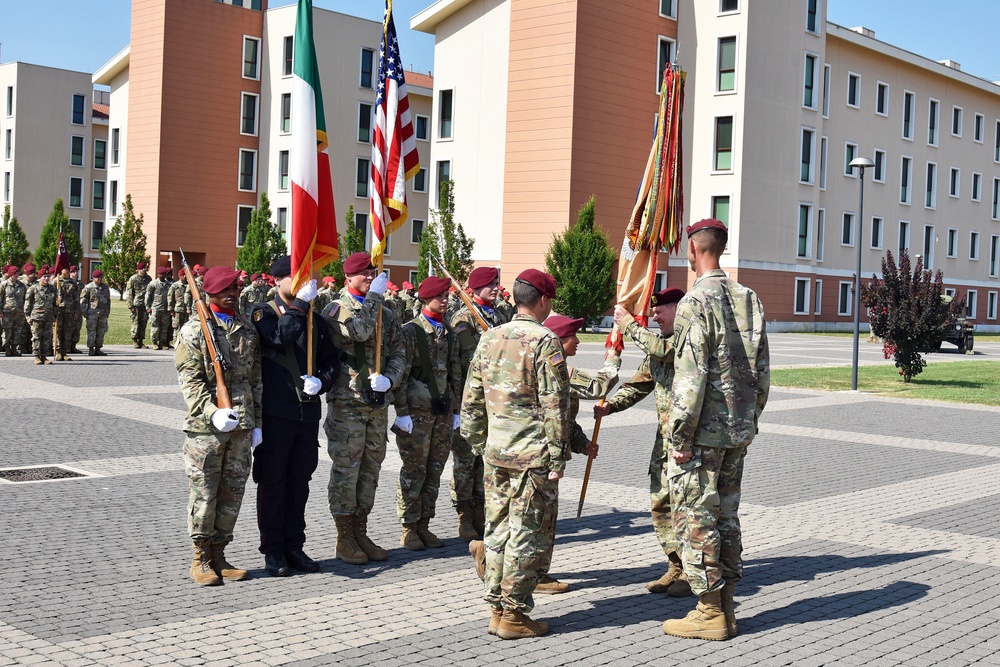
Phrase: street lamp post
[861,163]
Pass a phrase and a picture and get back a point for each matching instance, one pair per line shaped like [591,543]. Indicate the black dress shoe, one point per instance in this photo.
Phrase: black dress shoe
[298,559]
[276,565]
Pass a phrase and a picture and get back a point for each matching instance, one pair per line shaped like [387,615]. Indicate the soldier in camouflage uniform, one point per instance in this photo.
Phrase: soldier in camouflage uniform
[95,305]
[325,295]
[12,304]
[179,302]
[67,315]
[155,304]
[74,276]
[427,403]
[255,292]
[515,413]
[721,382]
[503,304]
[217,440]
[40,312]
[357,417]
[135,297]
[27,279]
[410,302]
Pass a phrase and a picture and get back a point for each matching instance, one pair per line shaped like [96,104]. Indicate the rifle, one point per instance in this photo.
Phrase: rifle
[210,332]
[466,299]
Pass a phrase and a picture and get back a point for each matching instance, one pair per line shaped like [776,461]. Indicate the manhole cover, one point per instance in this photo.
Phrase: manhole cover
[39,474]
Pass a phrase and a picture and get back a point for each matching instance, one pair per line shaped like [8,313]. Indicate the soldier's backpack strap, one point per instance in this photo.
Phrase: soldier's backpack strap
[425,359]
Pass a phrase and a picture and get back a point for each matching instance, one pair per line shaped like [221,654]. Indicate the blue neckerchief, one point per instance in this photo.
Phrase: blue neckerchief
[359,299]
[434,323]
[224,318]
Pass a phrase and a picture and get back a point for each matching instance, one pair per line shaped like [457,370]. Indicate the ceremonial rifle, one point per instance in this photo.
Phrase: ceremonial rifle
[210,331]
[466,299]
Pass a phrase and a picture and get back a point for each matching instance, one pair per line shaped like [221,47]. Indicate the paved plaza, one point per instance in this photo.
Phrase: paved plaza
[871,534]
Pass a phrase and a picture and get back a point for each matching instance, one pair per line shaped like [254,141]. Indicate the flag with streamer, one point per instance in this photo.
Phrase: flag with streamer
[62,256]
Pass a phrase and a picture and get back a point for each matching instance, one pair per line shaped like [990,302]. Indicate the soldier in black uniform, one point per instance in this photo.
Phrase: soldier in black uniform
[284,462]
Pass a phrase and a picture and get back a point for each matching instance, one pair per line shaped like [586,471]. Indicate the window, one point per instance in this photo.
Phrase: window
[668,9]
[847,230]
[286,113]
[826,90]
[812,16]
[929,247]
[956,121]
[977,186]
[954,182]
[952,247]
[8,144]
[289,53]
[854,90]
[248,171]
[973,246]
[820,233]
[970,304]
[996,199]
[908,115]
[994,256]
[876,237]
[79,103]
[991,305]
[251,59]
[76,151]
[818,298]
[932,122]
[801,296]
[77,226]
[364,169]
[809,82]
[76,193]
[996,144]
[243,216]
[100,154]
[808,166]
[720,209]
[10,101]
[666,56]
[281,220]
[905,176]
[823,145]
[878,172]
[365,123]
[416,230]
[724,143]
[367,68]
[361,224]
[420,181]
[96,234]
[805,231]
[421,127]
[726,79]
[904,237]
[930,191]
[977,128]
[248,122]
[729,6]
[445,113]
[99,204]
[6,186]
[882,99]
[115,145]
[950,291]
[850,152]
[113,198]
[282,170]
[443,174]
[844,299]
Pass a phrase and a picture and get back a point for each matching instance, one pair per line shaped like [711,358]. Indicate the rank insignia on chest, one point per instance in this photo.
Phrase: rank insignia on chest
[258,315]
[556,358]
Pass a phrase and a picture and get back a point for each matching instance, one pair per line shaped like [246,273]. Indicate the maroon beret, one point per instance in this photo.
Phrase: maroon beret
[563,326]
[540,280]
[11,270]
[407,284]
[140,265]
[201,270]
[329,279]
[707,223]
[433,286]
[45,268]
[669,295]
[97,274]
[483,276]
[72,268]
[218,278]
[356,263]
[162,270]
[29,268]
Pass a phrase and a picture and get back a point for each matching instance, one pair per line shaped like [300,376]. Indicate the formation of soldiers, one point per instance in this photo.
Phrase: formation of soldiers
[41,312]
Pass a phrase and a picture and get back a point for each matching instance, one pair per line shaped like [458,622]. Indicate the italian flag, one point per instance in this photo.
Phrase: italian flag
[314,220]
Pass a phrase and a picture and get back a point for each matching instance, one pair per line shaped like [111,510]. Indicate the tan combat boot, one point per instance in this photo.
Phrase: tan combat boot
[46,361]
[495,616]
[707,621]
[477,549]
[222,567]
[410,539]
[347,545]
[426,536]
[550,586]
[466,525]
[727,607]
[681,588]
[515,625]
[372,550]
[670,576]
[201,566]
[39,361]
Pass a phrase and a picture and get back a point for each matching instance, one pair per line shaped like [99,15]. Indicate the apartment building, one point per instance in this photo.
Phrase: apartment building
[54,142]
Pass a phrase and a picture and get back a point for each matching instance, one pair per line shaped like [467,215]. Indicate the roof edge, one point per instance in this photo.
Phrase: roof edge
[429,19]
[109,70]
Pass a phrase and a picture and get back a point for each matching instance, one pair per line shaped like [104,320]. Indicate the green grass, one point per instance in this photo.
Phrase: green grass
[959,382]
[592,337]
[119,326]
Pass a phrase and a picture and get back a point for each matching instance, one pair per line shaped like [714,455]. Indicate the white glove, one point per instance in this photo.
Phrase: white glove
[456,421]
[404,424]
[225,420]
[380,382]
[256,437]
[307,292]
[312,385]
[380,283]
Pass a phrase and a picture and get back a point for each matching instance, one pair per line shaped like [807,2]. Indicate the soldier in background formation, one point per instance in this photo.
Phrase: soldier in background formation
[95,305]
[504,305]
[179,303]
[254,293]
[28,278]
[40,312]
[66,316]
[12,291]
[78,320]
[156,305]
[135,297]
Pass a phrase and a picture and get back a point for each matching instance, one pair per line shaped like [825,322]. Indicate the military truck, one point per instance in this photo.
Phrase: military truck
[959,333]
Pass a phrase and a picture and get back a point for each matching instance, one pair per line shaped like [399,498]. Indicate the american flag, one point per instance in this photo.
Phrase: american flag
[394,147]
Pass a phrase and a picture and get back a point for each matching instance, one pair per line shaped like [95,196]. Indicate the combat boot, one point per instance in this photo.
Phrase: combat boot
[46,361]
[38,360]
[136,344]
[92,352]
[466,528]
[515,625]
[410,539]
[479,517]
[201,566]
[97,351]
[222,567]
[74,350]
[7,352]
[347,545]
[707,621]
[681,588]
[477,549]
[673,572]
[426,536]
[65,358]
[727,607]
[372,550]
[495,616]
[550,586]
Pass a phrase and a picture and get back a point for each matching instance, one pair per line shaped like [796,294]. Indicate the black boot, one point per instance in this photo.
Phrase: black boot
[98,353]
[276,565]
[92,352]
[298,559]
[7,351]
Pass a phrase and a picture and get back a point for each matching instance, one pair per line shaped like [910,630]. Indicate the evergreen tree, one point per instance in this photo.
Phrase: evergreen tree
[48,245]
[581,260]
[263,243]
[352,242]
[13,242]
[445,239]
[123,247]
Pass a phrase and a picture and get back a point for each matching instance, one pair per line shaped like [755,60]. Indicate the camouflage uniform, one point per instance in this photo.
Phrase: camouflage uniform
[95,304]
[515,413]
[156,306]
[358,432]
[179,304]
[135,297]
[250,295]
[589,387]
[218,464]
[425,451]
[78,321]
[12,302]
[505,308]
[40,309]
[721,382]
[25,343]
[67,315]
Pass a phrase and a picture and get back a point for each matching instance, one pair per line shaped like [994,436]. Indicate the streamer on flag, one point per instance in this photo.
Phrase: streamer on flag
[314,220]
[394,146]
[62,256]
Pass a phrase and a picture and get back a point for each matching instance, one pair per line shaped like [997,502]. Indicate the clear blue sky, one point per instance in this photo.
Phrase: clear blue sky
[83,36]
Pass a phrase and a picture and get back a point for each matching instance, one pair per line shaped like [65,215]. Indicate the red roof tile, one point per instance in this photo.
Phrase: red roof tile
[102,111]
[418,79]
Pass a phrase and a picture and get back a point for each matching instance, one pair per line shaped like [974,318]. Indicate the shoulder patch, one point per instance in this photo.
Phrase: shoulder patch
[258,314]
[461,327]
[332,309]
[556,358]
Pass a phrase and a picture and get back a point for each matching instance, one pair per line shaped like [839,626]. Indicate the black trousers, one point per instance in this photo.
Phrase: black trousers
[283,464]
